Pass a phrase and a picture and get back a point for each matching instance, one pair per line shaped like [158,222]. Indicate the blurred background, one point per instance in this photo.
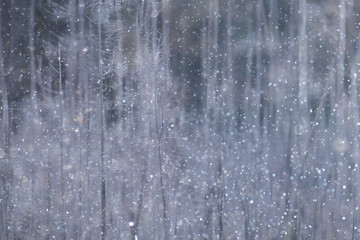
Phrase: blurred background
[179,119]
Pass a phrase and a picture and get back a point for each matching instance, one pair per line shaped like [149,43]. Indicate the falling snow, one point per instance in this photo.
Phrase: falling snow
[158,119]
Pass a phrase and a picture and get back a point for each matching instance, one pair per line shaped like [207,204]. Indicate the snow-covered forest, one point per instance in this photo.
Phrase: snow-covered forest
[179,119]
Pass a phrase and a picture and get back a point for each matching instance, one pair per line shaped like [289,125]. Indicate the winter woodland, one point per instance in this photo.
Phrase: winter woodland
[179,119]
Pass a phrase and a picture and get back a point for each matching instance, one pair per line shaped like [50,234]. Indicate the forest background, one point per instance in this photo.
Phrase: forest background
[179,119]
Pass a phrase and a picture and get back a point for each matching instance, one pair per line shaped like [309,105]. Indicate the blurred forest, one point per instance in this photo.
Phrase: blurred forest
[179,119]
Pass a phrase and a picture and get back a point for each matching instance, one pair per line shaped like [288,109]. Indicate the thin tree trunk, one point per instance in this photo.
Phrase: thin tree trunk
[4,147]
[303,66]
[102,129]
[33,93]
[33,97]
[63,234]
